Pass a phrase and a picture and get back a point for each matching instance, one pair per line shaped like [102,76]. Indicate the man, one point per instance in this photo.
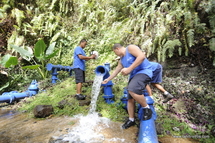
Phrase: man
[132,61]
[156,79]
[79,67]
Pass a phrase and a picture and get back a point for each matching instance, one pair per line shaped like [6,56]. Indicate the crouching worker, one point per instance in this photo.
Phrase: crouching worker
[156,80]
[132,61]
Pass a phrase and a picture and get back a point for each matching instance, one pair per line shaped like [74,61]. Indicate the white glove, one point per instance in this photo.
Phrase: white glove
[95,53]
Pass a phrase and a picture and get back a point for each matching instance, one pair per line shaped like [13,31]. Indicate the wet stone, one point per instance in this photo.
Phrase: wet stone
[63,103]
[84,102]
[42,111]
[159,128]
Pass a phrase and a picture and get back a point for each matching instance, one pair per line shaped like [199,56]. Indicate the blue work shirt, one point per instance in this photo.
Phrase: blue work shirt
[144,67]
[154,65]
[79,63]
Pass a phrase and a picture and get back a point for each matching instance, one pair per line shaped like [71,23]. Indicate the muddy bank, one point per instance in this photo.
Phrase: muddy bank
[20,128]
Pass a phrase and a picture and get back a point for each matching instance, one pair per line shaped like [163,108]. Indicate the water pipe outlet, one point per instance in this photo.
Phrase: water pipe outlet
[104,71]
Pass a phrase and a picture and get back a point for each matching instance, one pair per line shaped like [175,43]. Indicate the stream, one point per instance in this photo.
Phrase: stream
[21,128]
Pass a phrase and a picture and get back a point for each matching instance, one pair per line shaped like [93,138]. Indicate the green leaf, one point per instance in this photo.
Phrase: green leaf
[26,54]
[51,55]
[5,86]
[54,38]
[9,60]
[39,49]
[50,48]
[31,67]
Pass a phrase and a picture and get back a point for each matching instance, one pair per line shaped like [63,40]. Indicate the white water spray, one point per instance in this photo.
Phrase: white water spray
[88,129]
[95,92]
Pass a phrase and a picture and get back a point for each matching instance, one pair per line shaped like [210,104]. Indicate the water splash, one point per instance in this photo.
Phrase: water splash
[88,128]
[95,92]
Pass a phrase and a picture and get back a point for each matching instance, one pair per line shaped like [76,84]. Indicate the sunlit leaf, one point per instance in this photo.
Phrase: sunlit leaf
[31,67]
[9,60]
[39,48]
[50,49]
[26,54]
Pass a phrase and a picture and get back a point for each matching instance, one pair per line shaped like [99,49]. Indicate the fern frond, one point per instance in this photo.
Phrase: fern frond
[170,46]
[190,37]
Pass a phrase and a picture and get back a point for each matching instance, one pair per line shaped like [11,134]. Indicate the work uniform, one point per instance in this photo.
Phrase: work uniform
[140,76]
[79,65]
[157,72]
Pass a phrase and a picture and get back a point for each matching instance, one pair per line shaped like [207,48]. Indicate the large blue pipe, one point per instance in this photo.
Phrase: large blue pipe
[104,71]
[147,131]
[55,68]
[12,96]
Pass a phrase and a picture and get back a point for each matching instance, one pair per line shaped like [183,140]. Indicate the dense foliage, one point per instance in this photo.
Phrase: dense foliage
[163,28]
[159,27]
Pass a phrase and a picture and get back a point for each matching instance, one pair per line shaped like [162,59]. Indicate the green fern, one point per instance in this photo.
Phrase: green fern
[170,46]
[190,37]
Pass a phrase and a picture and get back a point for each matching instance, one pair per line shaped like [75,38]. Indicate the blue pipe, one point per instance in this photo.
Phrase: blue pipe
[12,96]
[147,131]
[104,71]
[55,68]
[124,98]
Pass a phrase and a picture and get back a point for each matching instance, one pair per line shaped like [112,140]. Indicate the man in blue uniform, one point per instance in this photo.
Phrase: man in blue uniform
[156,79]
[133,61]
[79,67]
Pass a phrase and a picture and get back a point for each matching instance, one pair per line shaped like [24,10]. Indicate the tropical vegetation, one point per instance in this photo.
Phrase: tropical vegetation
[34,33]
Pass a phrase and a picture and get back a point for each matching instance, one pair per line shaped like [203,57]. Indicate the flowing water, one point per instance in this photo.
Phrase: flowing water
[89,127]
[95,92]
[19,128]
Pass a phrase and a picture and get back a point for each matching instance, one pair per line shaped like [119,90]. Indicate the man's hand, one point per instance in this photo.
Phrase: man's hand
[105,81]
[93,56]
[125,71]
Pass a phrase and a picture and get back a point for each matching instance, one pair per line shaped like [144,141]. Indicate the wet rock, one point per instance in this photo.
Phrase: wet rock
[42,111]
[84,102]
[63,103]
[56,140]
[159,128]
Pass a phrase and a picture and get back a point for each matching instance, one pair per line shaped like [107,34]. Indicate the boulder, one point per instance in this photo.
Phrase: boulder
[42,111]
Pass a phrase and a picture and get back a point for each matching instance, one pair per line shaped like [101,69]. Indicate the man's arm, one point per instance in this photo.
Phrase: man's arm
[86,58]
[114,74]
[140,56]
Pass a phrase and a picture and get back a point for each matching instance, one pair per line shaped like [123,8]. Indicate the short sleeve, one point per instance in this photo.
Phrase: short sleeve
[78,51]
